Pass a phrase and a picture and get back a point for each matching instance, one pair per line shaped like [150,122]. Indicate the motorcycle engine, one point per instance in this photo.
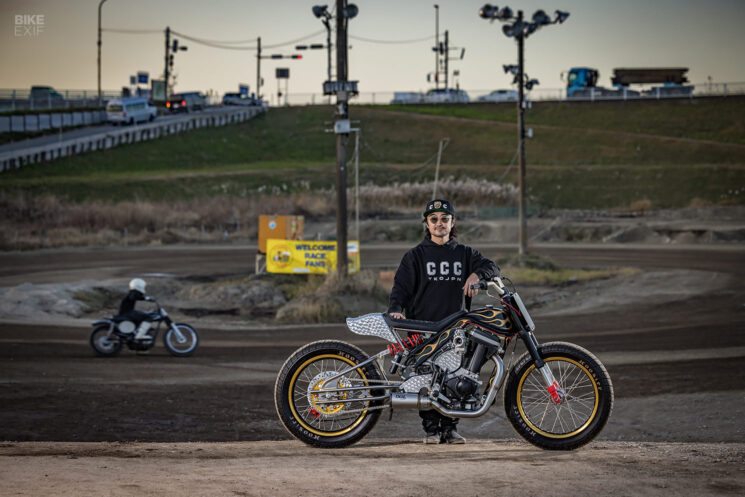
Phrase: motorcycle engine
[452,375]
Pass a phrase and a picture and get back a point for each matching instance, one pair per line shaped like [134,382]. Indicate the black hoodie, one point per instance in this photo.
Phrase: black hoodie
[428,285]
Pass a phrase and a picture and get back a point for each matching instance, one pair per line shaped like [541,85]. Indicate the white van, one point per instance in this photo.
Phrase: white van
[130,110]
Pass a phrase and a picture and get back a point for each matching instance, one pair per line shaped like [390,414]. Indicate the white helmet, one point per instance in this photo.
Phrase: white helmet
[137,284]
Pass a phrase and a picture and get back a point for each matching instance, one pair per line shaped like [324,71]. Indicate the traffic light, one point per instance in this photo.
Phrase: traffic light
[297,56]
[175,46]
[170,60]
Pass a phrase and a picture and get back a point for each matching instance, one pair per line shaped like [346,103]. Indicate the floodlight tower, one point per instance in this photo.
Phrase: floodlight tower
[516,27]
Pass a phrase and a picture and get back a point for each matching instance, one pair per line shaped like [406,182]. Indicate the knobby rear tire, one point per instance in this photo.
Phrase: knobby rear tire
[312,422]
[582,414]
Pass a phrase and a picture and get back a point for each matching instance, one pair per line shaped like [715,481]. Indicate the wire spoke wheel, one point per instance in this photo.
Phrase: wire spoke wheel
[317,403]
[577,408]
[586,398]
[313,395]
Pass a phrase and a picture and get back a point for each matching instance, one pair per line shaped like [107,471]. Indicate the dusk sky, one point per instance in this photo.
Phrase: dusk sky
[708,37]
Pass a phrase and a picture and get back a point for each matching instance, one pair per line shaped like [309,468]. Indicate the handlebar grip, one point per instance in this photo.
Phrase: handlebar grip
[481,285]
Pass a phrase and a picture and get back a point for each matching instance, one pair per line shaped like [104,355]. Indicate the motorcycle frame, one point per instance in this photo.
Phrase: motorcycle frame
[524,330]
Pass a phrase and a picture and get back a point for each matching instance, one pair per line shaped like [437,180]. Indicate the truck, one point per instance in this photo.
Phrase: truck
[582,83]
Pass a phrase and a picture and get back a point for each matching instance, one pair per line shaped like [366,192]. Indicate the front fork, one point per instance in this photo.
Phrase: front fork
[552,385]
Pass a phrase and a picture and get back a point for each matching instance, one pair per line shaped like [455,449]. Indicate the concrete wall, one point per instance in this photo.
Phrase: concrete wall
[114,137]
[38,122]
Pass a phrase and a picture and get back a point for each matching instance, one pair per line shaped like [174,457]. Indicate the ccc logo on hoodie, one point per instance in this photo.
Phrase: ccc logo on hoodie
[444,271]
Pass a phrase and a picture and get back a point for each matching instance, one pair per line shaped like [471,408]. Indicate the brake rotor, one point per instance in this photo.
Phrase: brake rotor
[316,384]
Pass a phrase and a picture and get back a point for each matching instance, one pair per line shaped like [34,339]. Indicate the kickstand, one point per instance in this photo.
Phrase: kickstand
[390,413]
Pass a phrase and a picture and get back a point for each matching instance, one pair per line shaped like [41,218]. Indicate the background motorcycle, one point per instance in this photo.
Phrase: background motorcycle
[110,334]
[557,395]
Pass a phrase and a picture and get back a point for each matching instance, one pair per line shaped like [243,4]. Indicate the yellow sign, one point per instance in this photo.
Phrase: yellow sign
[316,257]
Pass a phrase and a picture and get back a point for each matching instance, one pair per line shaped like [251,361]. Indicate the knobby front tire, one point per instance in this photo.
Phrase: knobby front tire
[182,344]
[313,418]
[580,416]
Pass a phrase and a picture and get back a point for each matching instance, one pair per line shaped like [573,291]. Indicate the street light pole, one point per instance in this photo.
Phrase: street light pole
[521,212]
[99,50]
[515,26]
[258,68]
[437,46]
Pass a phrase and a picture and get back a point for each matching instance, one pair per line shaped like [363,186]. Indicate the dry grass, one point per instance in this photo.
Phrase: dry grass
[326,299]
[466,194]
[530,269]
[48,221]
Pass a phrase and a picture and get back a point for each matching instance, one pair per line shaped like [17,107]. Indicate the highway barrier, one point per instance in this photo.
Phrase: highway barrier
[14,159]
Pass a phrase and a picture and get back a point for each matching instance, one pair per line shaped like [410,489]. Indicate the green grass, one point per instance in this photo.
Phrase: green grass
[604,155]
[718,119]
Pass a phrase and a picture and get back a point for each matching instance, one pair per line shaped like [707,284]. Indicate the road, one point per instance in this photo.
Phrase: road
[676,367]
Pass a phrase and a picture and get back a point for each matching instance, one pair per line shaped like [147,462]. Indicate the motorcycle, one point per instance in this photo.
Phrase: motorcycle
[557,395]
[111,334]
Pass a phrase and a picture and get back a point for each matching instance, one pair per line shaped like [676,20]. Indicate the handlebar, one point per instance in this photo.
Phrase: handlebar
[495,284]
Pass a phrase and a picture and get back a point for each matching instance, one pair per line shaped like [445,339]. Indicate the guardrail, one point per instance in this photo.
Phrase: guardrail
[41,122]
[537,94]
[110,138]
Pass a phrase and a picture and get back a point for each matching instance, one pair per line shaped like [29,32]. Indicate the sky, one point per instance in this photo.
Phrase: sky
[707,37]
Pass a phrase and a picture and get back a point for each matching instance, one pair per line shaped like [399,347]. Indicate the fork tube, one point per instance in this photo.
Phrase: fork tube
[532,345]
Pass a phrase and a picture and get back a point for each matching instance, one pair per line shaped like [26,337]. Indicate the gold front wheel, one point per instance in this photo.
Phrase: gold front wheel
[586,398]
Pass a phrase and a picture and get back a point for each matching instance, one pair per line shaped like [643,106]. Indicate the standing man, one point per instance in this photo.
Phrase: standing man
[433,281]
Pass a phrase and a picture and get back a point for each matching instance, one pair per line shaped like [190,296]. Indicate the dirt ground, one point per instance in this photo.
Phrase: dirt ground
[151,424]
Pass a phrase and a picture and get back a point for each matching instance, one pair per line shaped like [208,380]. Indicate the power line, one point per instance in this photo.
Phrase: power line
[391,42]
[225,45]
[132,31]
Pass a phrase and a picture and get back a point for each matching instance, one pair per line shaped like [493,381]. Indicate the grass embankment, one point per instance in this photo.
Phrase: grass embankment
[198,185]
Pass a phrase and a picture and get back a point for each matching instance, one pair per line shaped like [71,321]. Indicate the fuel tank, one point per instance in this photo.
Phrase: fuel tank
[492,319]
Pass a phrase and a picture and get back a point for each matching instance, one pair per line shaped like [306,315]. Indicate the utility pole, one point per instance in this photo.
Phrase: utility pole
[99,50]
[168,48]
[258,68]
[342,114]
[523,207]
[437,46]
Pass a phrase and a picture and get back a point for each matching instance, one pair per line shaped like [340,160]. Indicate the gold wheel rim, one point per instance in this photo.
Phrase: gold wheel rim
[545,433]
[300,419]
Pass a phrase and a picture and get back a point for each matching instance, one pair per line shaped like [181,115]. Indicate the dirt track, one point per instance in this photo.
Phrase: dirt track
[677,371]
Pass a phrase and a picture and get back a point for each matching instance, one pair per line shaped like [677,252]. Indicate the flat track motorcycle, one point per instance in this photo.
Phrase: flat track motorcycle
[109,335]
[557,395]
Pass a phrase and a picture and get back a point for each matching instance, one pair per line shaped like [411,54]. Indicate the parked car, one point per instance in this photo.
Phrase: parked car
[499,96]
[238,99]
[446,95]
[407,97]
[130,110]
[186,102]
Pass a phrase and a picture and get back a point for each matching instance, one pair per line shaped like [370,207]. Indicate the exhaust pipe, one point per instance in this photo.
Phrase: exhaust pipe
[408,400]
[423,402]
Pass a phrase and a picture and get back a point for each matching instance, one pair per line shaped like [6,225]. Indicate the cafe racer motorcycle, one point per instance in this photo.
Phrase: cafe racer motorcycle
[557,395]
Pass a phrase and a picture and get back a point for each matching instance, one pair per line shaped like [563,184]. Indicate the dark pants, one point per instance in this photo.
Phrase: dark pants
[434,422]
[136,317]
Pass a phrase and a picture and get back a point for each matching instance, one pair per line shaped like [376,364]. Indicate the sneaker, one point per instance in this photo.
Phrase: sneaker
[452,437]
[432,438]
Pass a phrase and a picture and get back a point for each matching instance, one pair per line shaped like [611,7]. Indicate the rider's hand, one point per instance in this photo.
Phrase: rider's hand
[396,315]
[472,280]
